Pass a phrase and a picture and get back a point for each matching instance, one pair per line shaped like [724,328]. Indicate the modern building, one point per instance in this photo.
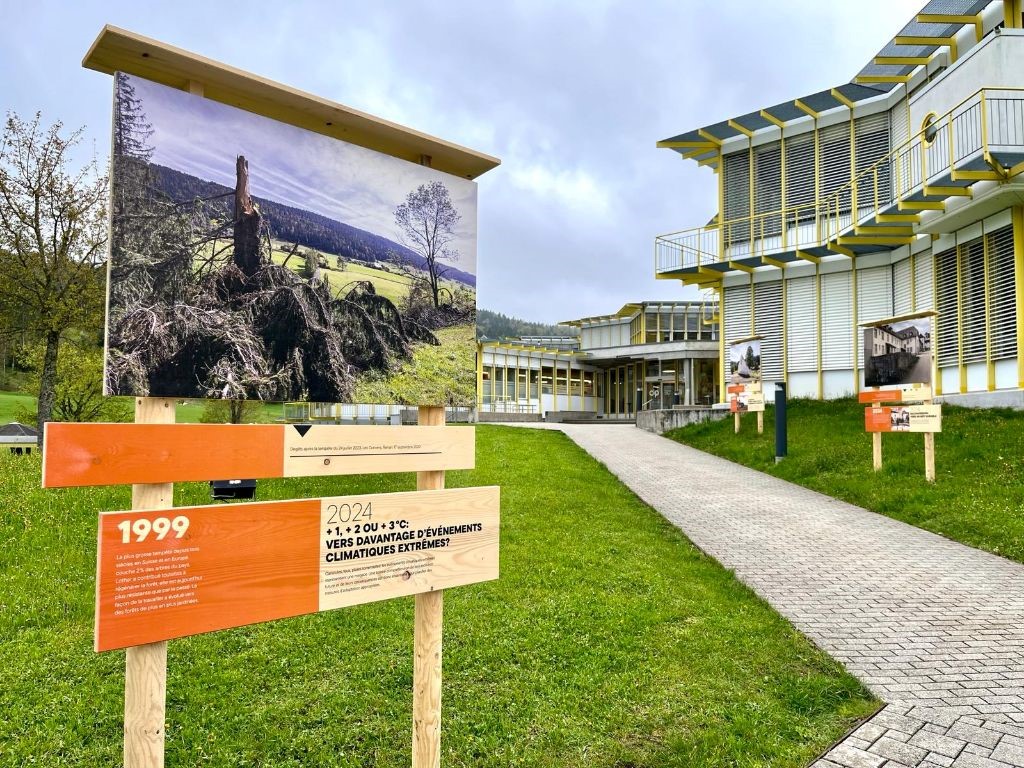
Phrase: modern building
[646,356]
[896,193]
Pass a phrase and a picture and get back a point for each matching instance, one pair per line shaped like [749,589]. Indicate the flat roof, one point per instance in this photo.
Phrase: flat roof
[118,50]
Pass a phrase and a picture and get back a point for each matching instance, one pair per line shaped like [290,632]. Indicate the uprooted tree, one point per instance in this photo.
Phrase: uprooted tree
[198,308]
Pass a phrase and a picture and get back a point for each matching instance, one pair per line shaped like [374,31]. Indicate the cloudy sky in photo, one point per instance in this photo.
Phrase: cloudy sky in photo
[299,168]
[571,95]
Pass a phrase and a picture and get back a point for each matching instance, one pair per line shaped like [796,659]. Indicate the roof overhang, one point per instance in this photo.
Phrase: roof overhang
[118,50]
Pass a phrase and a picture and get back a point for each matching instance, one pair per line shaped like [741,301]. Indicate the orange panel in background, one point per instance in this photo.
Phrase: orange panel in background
[122,454]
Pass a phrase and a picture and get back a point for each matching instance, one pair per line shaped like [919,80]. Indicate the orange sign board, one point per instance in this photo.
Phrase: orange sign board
[901,394]
[911,418]
[121,454]
[187,570]
[745,397]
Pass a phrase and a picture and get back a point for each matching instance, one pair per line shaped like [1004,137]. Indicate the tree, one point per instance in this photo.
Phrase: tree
[78,395]
[52,236]
[231,411]
[427,221]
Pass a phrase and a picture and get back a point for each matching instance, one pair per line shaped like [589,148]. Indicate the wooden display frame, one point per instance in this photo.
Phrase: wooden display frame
[87,461]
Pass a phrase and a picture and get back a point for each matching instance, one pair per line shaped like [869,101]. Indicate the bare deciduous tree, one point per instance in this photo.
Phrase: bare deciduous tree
[53,232]
[427,221]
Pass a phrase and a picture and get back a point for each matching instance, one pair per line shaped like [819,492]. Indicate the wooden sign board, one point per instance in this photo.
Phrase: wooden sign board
[745,398]
[122,454]
[911,418]
[184,571]
[906,393]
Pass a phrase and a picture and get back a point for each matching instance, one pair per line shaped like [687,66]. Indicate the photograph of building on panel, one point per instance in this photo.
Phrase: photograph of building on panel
[898,353]
[745,361]
[899,419]
[251,259]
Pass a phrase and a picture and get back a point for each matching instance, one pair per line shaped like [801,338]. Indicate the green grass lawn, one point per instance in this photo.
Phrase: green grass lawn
[188,412]
[12,403]
[978,496]
[608,641]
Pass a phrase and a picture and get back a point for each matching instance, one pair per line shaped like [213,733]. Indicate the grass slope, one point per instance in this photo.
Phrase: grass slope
[608,641]
[978,496]
[11,405]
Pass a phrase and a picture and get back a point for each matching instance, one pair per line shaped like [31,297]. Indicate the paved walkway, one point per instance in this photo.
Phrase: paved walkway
[934,628]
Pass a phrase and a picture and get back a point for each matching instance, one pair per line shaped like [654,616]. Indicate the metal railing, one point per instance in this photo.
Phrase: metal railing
[991,118]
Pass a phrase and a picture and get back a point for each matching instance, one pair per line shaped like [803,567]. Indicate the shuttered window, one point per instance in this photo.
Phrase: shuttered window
[768,189]
[1003,294]
[768,319]
[972,275]
[737,317]
[924,281]
[871,135]
[834,148]
[948,336]
[802,324]
[800,173]
[836,322]
[874,294]
[736,178]
[900,127]
[902,298]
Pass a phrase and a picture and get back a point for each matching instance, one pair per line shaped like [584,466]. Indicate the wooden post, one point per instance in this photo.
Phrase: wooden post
[736,422]
[426,675]
[876,450]
[145,673]
[760,422]
[929,456]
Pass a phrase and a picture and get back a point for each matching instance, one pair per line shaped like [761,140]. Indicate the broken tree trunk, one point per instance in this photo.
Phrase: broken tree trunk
[247,222]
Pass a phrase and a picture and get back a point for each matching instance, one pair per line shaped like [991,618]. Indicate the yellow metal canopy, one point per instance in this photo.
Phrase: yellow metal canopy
[118,50]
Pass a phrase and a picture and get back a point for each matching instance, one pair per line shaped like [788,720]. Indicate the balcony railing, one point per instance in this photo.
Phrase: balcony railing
[964,145]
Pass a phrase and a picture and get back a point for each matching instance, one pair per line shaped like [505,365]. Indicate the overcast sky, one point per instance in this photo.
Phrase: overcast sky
[572,96]
[296,167]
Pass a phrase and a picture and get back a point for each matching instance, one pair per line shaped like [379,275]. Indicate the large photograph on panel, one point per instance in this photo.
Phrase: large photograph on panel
[251,259]
[898,352]
[745,361]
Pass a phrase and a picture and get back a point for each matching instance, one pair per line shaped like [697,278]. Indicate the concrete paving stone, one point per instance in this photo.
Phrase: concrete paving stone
[934,742]
[933,627]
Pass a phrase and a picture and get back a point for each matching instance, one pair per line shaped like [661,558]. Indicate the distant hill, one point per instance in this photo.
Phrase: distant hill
[495,325]
[296,225]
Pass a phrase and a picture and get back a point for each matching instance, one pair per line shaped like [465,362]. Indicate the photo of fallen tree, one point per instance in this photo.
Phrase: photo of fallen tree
[215,291]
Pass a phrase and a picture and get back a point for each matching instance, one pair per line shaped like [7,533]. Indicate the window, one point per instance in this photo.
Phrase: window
[736,178]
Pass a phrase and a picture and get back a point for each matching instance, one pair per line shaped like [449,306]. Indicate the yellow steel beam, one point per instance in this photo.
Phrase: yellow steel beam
[741,267]
[773,119]
[692,153]
[948,191]
[872,230]
[810,257]
[745,131]
[1013,18]
[954,18]
[874,240]
[898,218]
[706,145]
[868,79]
[708,160]
[842,99]
[902,61]
[714,274]
[948,42]
[708,137]
[804,108]
[832,245]
[976,176]
[773,262]
[921,205]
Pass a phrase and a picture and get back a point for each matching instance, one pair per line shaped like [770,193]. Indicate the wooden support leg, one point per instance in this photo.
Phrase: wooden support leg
[760,422]
[426,705]
[145,672]
[929,456]
[876,450]
[736,423]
